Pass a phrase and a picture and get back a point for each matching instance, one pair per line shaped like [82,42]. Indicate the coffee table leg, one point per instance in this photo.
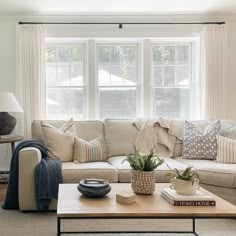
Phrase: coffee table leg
[194,228]
[58,226]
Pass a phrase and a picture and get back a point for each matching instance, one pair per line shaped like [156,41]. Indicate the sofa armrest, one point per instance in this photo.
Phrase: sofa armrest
[28,160]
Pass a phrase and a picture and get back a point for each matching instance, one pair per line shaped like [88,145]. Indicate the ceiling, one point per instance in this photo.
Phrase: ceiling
[117,6]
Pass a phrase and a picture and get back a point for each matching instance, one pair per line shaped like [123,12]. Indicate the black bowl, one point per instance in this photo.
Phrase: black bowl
[94,188]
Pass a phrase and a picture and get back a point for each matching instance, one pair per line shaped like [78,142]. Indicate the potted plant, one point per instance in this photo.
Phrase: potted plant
[184,182]
[142,173]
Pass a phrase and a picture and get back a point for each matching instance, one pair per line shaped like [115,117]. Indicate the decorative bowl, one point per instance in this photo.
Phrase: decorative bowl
[94,188]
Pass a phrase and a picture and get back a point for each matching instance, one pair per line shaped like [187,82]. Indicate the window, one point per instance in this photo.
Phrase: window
[117,80]
[172,79]
[65,81]
[102,78]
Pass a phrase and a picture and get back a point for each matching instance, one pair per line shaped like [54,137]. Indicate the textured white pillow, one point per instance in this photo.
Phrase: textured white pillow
[226,150]
[60,141]
[89,151]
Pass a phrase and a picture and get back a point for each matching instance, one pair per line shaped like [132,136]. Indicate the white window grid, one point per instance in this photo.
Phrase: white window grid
[191,55]
[144,86]
[174,64]
[83,46]
[136,87]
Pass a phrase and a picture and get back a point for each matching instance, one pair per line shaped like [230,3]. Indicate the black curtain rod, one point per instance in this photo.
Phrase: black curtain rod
[121,24]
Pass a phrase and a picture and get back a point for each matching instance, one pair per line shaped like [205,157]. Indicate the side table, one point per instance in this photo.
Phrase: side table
[12,141]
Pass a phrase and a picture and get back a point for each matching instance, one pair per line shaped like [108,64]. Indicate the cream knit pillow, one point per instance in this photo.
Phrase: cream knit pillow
[89,151]
[60,141]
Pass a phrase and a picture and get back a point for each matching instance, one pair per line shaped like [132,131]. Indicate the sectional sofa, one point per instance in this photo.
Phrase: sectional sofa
[119,137]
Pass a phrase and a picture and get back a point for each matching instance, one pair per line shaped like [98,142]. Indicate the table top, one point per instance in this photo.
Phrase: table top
[11,140]
[72,204]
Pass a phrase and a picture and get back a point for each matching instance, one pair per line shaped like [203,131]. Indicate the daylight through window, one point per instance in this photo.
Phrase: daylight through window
[114,84]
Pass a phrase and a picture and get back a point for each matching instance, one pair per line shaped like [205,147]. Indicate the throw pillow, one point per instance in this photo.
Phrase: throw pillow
[226,150]
[59,141]
[198,144]
[69,128]
[89,151]
[229,133]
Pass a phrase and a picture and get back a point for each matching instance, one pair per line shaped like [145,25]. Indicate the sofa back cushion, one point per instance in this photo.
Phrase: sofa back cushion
[86,130]
[120,136]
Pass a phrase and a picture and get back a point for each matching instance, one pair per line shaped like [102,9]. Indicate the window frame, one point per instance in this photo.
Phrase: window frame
[193,44]
[144,69]
[138,88]
[83,43]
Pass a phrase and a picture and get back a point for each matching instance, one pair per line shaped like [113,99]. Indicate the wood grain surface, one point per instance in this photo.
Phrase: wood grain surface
[72,204]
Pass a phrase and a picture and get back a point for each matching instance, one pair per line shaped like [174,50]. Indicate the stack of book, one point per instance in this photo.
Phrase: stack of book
[198,199]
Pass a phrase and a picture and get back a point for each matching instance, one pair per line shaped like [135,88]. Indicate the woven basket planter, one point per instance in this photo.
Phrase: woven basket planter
[143,182]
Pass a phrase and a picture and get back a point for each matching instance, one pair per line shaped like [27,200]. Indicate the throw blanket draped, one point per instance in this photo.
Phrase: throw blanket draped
[159,134]
[47,177]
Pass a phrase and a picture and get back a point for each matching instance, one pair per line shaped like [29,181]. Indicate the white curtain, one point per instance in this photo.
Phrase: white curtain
[213,71]
[31,86]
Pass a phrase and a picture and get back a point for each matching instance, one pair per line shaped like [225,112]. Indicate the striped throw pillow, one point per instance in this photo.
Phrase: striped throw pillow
[226,150]
[89,151]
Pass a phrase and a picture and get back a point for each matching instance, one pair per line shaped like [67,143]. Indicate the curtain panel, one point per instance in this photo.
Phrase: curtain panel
[213,71]
[31,85]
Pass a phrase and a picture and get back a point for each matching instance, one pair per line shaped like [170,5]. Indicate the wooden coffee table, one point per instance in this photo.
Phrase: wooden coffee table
[72,205]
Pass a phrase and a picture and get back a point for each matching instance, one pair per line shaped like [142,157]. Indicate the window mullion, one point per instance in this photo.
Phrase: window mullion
[147,91]
[92,82]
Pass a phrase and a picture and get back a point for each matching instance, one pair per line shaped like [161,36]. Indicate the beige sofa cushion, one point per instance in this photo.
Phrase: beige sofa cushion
[89,151]
[74,172]
[120,136]
[59,143]
[124,172]
[86,130]
[213,173]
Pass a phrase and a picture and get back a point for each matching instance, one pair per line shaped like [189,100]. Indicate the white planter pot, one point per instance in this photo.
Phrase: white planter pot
[185,187]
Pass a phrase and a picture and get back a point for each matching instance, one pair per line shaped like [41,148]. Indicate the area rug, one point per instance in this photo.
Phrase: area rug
[14,223]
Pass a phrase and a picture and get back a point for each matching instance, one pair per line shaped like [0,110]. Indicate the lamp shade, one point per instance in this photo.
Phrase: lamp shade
[8,103]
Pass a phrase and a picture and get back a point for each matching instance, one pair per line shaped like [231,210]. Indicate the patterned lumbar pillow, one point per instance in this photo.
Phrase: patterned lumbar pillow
[60,141]
[89,151]
[200,144]
[226,150]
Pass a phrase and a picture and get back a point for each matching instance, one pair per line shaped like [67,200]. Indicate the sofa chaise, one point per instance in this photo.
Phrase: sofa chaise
[119,137]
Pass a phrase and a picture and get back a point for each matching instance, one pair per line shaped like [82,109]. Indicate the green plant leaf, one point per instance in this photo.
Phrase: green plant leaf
[188,174]
[140,162]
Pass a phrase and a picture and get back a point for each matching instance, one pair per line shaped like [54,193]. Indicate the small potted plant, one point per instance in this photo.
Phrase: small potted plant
[184,182]
[142,173]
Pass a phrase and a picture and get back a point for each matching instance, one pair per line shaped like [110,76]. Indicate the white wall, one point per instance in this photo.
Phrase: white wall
[8,53]
[7,72]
